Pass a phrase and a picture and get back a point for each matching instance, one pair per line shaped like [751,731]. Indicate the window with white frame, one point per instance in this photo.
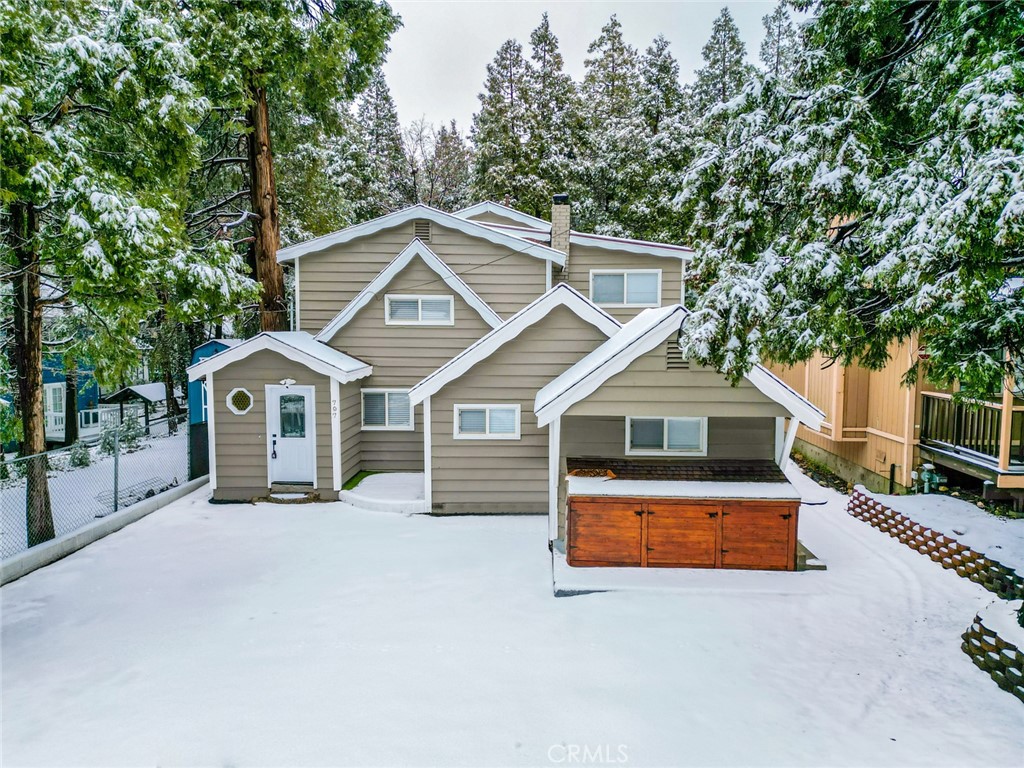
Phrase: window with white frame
[386,409]
[486,422]
[669,436]
[626,287]
[419,310]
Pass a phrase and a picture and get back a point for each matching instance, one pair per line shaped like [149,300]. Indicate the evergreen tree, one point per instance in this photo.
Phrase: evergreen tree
[612,75]
[556,124]
[780,48]
[388,172]
[725,69]
[878,199]
[501,128]
[661,95]
[443,164]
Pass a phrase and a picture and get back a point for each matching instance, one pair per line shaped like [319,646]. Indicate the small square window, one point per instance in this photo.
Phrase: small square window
[386,409]
[672,436]
[626,288]
[419,310]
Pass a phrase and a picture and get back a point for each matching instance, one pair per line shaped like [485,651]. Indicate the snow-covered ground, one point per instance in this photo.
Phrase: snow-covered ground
[325,635]
[999,538]
[79,495]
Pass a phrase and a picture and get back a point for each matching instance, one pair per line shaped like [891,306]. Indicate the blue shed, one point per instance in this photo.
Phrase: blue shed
[197,389]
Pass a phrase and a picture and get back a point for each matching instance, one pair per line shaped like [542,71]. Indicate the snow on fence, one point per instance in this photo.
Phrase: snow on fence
[943,549]
[86,483]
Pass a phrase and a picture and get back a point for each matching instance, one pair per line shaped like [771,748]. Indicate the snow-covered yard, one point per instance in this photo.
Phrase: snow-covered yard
[325,635]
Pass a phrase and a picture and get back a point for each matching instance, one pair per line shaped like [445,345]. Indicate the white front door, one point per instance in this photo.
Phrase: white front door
[291,431]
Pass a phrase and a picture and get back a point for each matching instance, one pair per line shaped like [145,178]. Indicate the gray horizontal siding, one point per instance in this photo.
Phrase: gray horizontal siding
[728,437]
[241,441]
[582,259]
[505,475]
[648,388]
[505,279]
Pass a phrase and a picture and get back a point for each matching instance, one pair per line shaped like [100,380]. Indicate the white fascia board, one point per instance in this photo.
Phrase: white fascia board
[612,357]
[774,388]
[420,211]
[391,271]
[642,247]
[489,206]
[562,295]
[353,369]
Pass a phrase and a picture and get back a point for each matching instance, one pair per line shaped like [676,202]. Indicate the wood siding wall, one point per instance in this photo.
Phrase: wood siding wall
[879,415]
[582,259]
[728,437]
[505,475]
[328,280]
[241,441]
[351,430]
[402,355]
[648,388]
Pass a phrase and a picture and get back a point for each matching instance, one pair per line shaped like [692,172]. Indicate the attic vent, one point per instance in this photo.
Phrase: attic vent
[674,360]
[421,230]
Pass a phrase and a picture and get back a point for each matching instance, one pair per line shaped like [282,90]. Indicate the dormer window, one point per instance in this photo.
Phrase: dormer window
[625,287]
[419,310]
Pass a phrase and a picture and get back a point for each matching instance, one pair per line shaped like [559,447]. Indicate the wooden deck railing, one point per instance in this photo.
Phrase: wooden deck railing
[973,428]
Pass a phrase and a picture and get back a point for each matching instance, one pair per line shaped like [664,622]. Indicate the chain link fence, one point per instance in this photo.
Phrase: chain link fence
[131,462]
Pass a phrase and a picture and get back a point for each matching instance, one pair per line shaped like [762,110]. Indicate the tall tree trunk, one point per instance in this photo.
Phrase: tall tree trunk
[173,408]
[70,400]
[266,229]
[28,341]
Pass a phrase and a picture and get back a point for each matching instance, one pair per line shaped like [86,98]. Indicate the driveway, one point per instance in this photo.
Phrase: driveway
[325,635]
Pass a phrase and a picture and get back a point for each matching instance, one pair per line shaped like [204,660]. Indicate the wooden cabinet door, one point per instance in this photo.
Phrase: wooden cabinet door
[605,531]
[683,534]
[759,534]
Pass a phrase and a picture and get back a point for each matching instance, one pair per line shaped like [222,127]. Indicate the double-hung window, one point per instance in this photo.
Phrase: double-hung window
[626,288]
[386,409]
[680,436]
[486,422]
[419,310]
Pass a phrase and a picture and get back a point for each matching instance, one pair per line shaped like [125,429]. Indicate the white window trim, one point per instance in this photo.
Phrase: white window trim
[419,298]
[625,285]
[231,407]
[702,451]
[487,408]
[387,428]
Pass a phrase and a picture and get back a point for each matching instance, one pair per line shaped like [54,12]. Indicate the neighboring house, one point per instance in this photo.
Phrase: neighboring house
[54,400]
[509,360]
[877,429]
[197,404]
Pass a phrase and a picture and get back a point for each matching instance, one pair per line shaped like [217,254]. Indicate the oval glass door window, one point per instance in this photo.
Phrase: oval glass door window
[293,416]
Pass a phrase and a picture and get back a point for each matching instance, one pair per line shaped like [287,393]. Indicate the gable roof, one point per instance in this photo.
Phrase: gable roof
[562,295]
[420,211]
[489,206]
[629,245]
[386,275]
[294,345]
[637,337]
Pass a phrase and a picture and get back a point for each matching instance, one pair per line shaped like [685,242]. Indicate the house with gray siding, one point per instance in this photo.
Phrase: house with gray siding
[521,367]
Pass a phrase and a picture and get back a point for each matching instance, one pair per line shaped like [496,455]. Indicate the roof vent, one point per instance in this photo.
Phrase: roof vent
[674,360]
[421,230]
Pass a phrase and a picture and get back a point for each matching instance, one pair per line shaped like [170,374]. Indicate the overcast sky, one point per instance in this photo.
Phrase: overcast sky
[439,57]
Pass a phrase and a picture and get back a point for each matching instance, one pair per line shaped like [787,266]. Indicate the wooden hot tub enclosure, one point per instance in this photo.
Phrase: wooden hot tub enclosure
[682,533]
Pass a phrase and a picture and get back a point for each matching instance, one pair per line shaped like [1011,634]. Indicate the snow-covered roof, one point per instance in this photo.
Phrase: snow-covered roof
[637,337]
[386,275]
[153,392]
[420,211]
[489,206]
[629,245]
[562,295]
[294,345]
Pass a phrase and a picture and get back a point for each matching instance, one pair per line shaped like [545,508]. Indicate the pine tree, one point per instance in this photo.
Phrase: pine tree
[389,174]
[725,69]
[880,201]
[780,48]
[555,119]
[614,146]
[443,162]
[500,129]
[661,95]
